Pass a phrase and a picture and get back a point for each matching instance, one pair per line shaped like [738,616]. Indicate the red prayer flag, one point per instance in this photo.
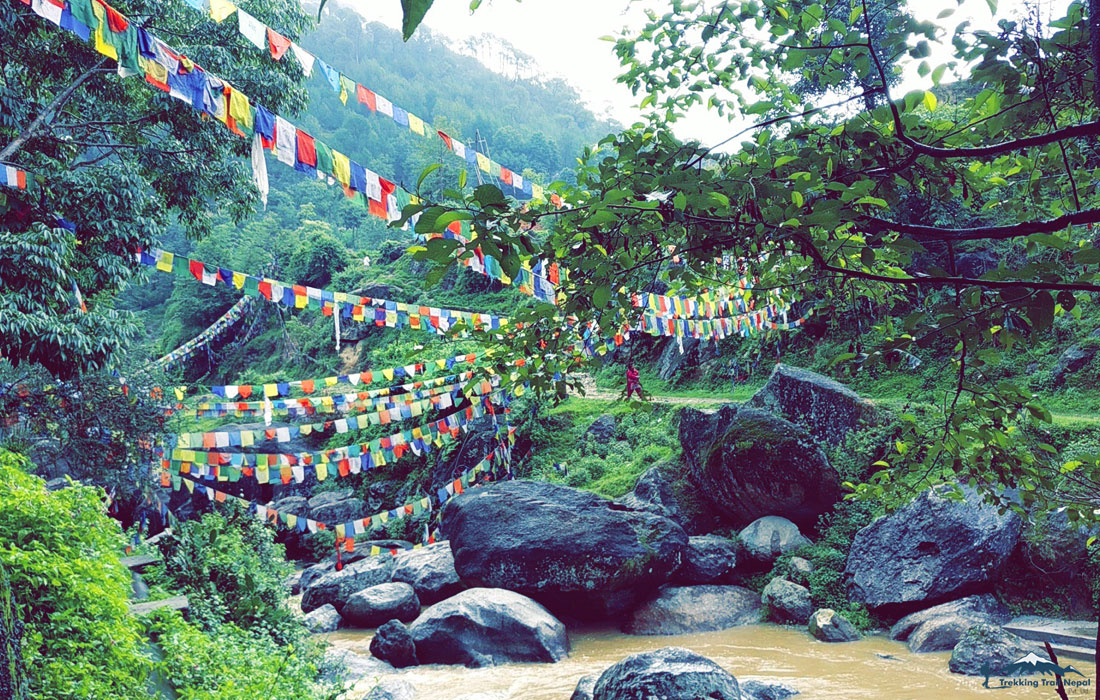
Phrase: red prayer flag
[506,176]
[366,97]
[307,151]
[446,140]
[277,43]
[245,390]
[196,268]
[115,20]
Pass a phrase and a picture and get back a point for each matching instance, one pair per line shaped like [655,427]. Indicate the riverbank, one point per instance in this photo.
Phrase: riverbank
[873,668]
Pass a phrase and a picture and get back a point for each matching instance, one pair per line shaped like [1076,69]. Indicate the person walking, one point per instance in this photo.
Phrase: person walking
[633,384]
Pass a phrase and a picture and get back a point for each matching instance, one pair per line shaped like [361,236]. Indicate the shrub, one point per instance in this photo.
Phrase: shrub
[60,550]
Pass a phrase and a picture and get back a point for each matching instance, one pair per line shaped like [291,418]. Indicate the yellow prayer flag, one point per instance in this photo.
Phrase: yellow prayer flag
[375,550]
[341,168]
[483,162]
[238,280]
[416,124]
[330,381]
[100,44]
[164,259]
[271,390]
[179,393]
[221,9]
[536,191]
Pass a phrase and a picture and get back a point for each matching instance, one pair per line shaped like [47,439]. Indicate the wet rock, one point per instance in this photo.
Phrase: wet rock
[829,626]
[373,606]
[430,571]
[571,550]
[323,619]
[585,687]
[764,690]
[335,587]
[603,428]
[393,643]
[986,649]
[391,689]
[940,628]
[343,665]
[488,626]
[931,550]
[707,559]
[690,609]
[750,463]
[787,601]
[766,539]
[671,673]
[800,570]
[824,406]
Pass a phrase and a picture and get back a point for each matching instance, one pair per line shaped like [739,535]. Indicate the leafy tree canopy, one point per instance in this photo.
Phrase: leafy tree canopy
[844,209]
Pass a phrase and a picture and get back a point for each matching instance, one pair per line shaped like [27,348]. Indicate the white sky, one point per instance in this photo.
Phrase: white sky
[563,36]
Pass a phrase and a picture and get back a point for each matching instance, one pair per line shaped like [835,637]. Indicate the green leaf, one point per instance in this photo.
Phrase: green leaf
[937,73]
[1087,256]
[601,296]
[599,218]
[462,180]
[796,197]
[426,172]
[930,101]
[450,217]
[414,11]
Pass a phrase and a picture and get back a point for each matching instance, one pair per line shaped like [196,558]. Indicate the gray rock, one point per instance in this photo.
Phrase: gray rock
[766,539]
[671,360]
[931,550]
[824,406]
[488,626]
[765,690]
[430,570]
[293,582]
[335,587]
[373,606]
[948,621]
[323,619]
[829,626]
[344,665]
[603,428]
[297,505]
[58,483]
[671,673]
[391,689]
[1075,358]
[340,511]
[690,609]
[329,497]
[139,590]
[393,643]
[585,687]
[707,559]
[800,570]
[750,463]
[987,649]
[663,490]
[571,550]
[787,601]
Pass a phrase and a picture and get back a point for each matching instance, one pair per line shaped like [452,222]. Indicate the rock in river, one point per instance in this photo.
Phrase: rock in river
[750,463]
[577,553]
[931,550]
[488,626]
[987,650]
[430,570]
[336,587]
[323,619]
[689,609]
[373,606]
[671,673]
[392,642]
[787,601]
[829,626]
[707,559]
[940,628]
[766,539]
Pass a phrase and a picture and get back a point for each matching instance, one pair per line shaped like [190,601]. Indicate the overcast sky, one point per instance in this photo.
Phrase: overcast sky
[563,36]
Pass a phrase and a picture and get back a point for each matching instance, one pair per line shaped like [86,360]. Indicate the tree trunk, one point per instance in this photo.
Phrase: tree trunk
[55,105]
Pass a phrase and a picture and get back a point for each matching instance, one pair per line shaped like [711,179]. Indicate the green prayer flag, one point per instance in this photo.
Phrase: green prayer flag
[324,158]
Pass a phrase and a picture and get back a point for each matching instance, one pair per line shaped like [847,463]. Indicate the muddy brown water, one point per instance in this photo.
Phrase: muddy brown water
[874,667]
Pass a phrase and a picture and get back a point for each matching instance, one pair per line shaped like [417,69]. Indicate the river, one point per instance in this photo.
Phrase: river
[874,667]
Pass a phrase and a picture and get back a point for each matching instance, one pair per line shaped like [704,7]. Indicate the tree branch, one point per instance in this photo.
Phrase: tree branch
[978,233]
[57,103]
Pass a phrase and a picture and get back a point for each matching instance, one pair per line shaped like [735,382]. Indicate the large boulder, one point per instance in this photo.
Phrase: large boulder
[393,643]
[335,587]
[763,690]
[344,665]
[751,463]
[672,358]
[671,673]
[430,570]
[940,628]
[603,428]
[373,606]
[931,550]
[824,406]
[986,650]
[572,550]
[488,626]
[340,511]
[664,490]
[768,538]
[829,626]
[787,601]
[323,619]
[585,687]
[690,609]
[1075,358]
[707,559]
[391,689]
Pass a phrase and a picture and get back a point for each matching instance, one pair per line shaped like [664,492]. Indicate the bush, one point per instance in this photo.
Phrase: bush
[60,550]
[232,570]
[317,259]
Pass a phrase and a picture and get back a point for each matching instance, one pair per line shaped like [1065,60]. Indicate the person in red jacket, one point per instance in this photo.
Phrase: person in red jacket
[632,382]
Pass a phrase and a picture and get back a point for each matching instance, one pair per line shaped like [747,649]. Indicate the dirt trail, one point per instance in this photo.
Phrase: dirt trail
[592,392]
